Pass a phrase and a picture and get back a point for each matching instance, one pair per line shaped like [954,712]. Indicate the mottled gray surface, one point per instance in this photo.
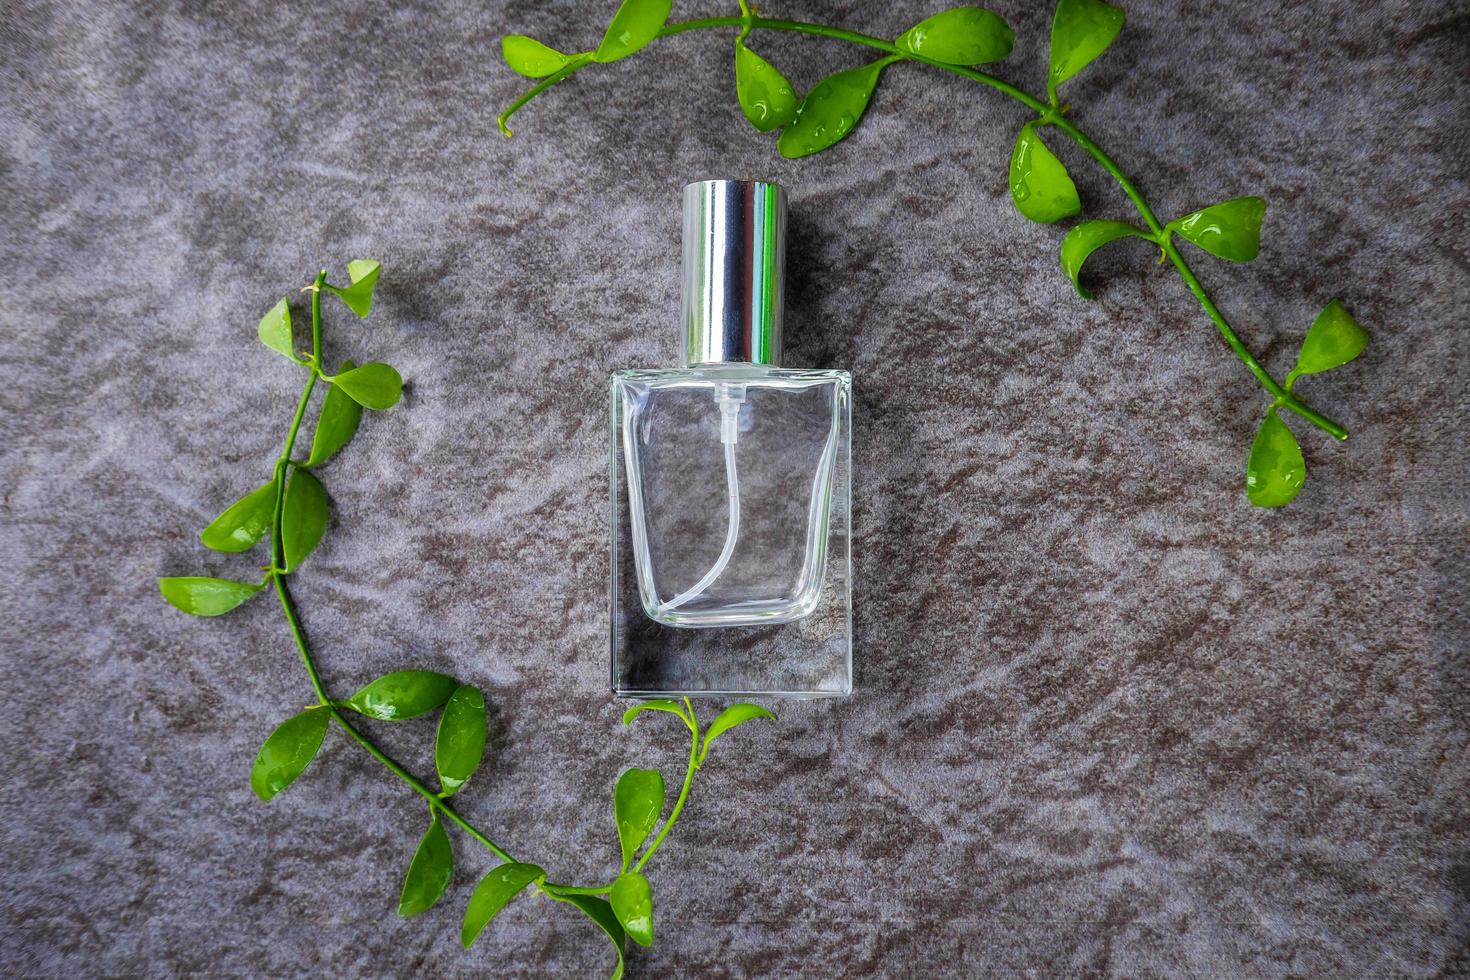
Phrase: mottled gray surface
[1108,717]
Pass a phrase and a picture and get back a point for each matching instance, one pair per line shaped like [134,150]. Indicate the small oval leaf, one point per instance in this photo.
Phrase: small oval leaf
[429,872]
[632,902]
[243,523]
[1080,31]
[658,704]
[200,596]
[304,516]
[1334,339]
[1230,229]
[529,57]
[288,751]
[766,97]
[1276,471]
[1040,185]
[601,913]
[962,36]
[460,743]
[491,895]
[831,110]
[336,424]
[635,24]
[637,802]
[359,295]
[275,330]
[373,385]
[1088,237]
[403,694]
[736,714]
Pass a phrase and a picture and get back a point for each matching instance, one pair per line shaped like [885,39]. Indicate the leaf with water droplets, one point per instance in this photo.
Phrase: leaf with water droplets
[492,894]
[632,902]
[1230,229]
[635,24]
[429,872]
[1334,339]
[601,913]
[403,694]
[637,802]
[288,751]
[529,57]
[243,523]
[1040,185]
[1080,31]
[1088,237]
[201,596]
[766,97]
[1276,471]
[831,110]
[962,36]
[736,714]
[459,744]
[657,704]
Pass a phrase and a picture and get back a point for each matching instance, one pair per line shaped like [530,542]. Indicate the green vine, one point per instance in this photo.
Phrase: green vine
[1041,188]
[293,507]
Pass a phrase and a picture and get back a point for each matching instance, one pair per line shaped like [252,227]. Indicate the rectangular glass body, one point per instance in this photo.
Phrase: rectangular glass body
[731,532]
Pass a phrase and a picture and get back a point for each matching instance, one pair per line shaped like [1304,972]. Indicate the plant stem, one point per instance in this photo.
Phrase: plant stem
[679,803]
[1049,116]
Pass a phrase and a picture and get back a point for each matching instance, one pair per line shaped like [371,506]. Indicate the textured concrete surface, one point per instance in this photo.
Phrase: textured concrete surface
[1109,719]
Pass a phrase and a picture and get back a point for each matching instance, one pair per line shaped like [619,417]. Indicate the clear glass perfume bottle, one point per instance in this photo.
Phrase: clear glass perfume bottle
[730,482]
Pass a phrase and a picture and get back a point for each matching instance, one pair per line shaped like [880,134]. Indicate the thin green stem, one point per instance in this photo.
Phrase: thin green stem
[566,71]
[1049,115]
[679,803]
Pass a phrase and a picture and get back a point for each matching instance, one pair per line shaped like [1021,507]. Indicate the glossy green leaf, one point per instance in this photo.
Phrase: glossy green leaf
[242,523]
[374,385]
[831,110]
[601,913]
[635,24]
[637,802]
[736,714]
[337,423]
[962,36]
[460,743]
[1040,185]
[1276,470]
[632,902]
[528,56]
[491,895]
[1230,229]
[359,295]
[304,517]
[658,704]
[288,751]
[1080,31]
[766,97]
[1334,339]
[1088,237]
[403,694]
[275,330]
[199,596]
[429,872]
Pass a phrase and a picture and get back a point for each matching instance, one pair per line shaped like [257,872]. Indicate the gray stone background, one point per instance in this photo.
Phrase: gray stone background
[1108,719]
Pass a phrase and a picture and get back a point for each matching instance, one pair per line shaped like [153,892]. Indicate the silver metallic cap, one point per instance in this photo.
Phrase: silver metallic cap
[734,271]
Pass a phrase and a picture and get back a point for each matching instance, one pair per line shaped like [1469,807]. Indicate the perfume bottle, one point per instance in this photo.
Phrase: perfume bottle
[730,481]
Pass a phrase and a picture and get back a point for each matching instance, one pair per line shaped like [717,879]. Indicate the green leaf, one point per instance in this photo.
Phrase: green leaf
[1276,470]
[288,751]
[1334,339]
[275,330]
[831,110]
[632,903]
[403,694]
[1040,185]
[199,596]
[766,97]
[359,295]
[1086,238]
[1080,31]
[336,424]
[1230,229]
[736,714]
[528,56]
[304,517]
[460,743]
[601,913]
[658,704]
[242,523]
[637,802]
[491,895]
[962,36]
[374,385]
[635,24]
[429,872]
